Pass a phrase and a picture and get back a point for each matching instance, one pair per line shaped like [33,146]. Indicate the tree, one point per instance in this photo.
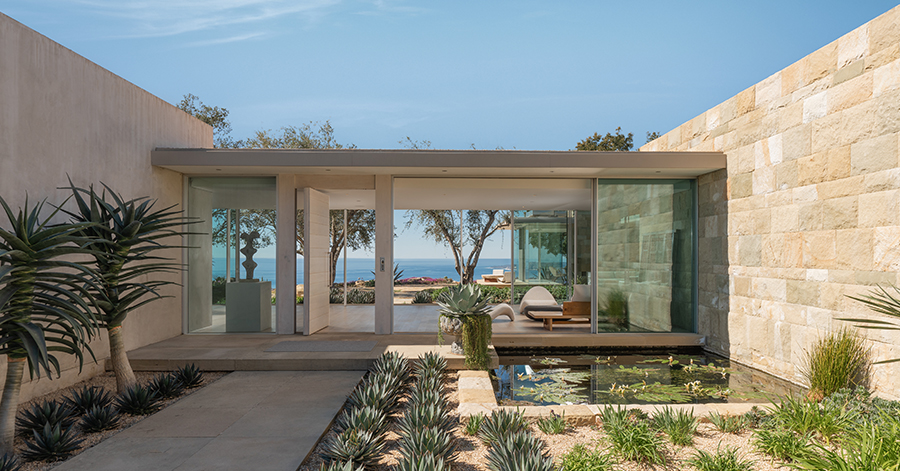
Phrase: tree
[652,136]
[125,239]
[42,303]
[609,142]
[444,226]
[213,116]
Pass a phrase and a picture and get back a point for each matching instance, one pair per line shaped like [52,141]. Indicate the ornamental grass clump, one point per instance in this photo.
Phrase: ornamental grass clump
[807,417]
[636,441]
[582,458]
[841,359]
[723,460]
[680,425]
[726,423]
[785,445]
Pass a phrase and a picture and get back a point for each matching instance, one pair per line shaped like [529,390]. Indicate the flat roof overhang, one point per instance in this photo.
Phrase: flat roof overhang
[439,163]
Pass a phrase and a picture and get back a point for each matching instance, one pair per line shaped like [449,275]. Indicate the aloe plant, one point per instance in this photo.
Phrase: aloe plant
[42,306]
[126,234]
[466,302]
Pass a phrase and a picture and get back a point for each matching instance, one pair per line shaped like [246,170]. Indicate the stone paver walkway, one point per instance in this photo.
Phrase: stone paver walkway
[259,420]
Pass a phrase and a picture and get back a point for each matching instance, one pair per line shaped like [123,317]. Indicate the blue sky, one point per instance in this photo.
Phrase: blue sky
[511,74]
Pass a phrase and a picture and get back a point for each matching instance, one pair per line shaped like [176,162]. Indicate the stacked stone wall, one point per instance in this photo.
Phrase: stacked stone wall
[808,210]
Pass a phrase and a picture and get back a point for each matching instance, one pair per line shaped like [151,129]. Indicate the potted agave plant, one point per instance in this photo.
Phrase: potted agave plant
[464,306]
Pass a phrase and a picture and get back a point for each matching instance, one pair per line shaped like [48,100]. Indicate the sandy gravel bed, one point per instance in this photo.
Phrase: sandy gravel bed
[472,452]
[108,382]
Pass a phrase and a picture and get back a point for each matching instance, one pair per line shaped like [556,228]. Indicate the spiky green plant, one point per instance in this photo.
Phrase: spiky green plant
[614,416]
[869,446]
[430,363]
[43,311]
[680,425]
[555,424]
[425,416]
[781,444]
[9,463]
[726,423]
[473,426]
[127,235]
[82,400]
[166,386]
[582,458]
[189,375]
[420,397]
[467,303]
[367,419]
[520,451]
[882,302]
[428,441]
[98,419]
[723,460]
[392,364]
[51,444]
[635,441]
[424,462]
[354,446]
[501,423]
[433,383]
[841,359]
[806,417]
[138,400]
[47,412]
[338,466]
[374,394]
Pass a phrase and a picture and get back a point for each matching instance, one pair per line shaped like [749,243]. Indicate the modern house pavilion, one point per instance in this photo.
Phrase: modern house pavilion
[746,226]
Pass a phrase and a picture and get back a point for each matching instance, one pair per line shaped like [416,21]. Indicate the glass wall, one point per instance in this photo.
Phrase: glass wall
[646,259]
[231,259]
[553,249]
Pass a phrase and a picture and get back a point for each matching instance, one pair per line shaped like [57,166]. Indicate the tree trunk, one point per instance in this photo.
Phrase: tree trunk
[124,374]
[9,404]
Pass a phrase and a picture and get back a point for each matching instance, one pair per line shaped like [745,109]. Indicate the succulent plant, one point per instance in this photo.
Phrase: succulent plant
[368,419]
[422,463]
[473,426]
[166,386]
[51,443]
[519,452]
[463,300]
[9,462]
[189,375]
[428,441]
[502,423]
[431,363]
[138,400]
[354,446]
[433,383]
[421,397]
[392,364]
[45,413]
[98,419]
[381,396]
[425,416]
[338,466]
[82,400]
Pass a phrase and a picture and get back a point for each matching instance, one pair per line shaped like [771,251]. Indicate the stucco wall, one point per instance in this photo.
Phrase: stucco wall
[808,210]
[62,114]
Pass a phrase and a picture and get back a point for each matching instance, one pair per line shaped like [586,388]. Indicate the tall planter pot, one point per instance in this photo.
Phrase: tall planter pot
[476,336]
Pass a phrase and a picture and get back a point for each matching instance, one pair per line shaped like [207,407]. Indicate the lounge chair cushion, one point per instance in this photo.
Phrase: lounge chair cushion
[538,299]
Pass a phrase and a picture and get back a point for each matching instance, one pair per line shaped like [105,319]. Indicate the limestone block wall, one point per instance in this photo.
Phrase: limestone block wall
[61,114]
[808,210]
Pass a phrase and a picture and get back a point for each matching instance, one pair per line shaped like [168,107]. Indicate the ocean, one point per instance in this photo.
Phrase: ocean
[362,268]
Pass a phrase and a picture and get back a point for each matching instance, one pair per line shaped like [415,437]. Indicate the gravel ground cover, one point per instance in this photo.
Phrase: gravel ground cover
[472,453]
[108,382]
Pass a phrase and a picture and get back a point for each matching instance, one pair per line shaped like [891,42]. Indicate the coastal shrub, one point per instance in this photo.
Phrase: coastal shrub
[679,425]
[582,458]
[723,460]
[497,294]
[501,423]
[553,425]
[51,443]
[841,359]
[519,451]
[616,308]
[560,292]
[423,297]
[82,400]
[336,295]
[218,290]
[358,296]
[50,413]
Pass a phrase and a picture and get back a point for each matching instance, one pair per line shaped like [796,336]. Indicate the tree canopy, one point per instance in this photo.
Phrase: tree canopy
[213,116]
[609,142]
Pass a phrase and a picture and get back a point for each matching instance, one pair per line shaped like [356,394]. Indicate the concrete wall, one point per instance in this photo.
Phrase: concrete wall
[62,114]
[808,210]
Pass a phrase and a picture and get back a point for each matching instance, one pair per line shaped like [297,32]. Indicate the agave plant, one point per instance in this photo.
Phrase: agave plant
[431,363]
[392,364]
[42,306]
[166,386]
[98,419]
[51,444]
[138,400]
[425,416]
[9,463]
[422,397]
[465,302]
[501,424]
[48,412]
[189,375]
[374,394]
[338,466]
[367,419]
[354,446]
[82,400]
[126,235]
[428,441]
[519,452]
[426,462]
